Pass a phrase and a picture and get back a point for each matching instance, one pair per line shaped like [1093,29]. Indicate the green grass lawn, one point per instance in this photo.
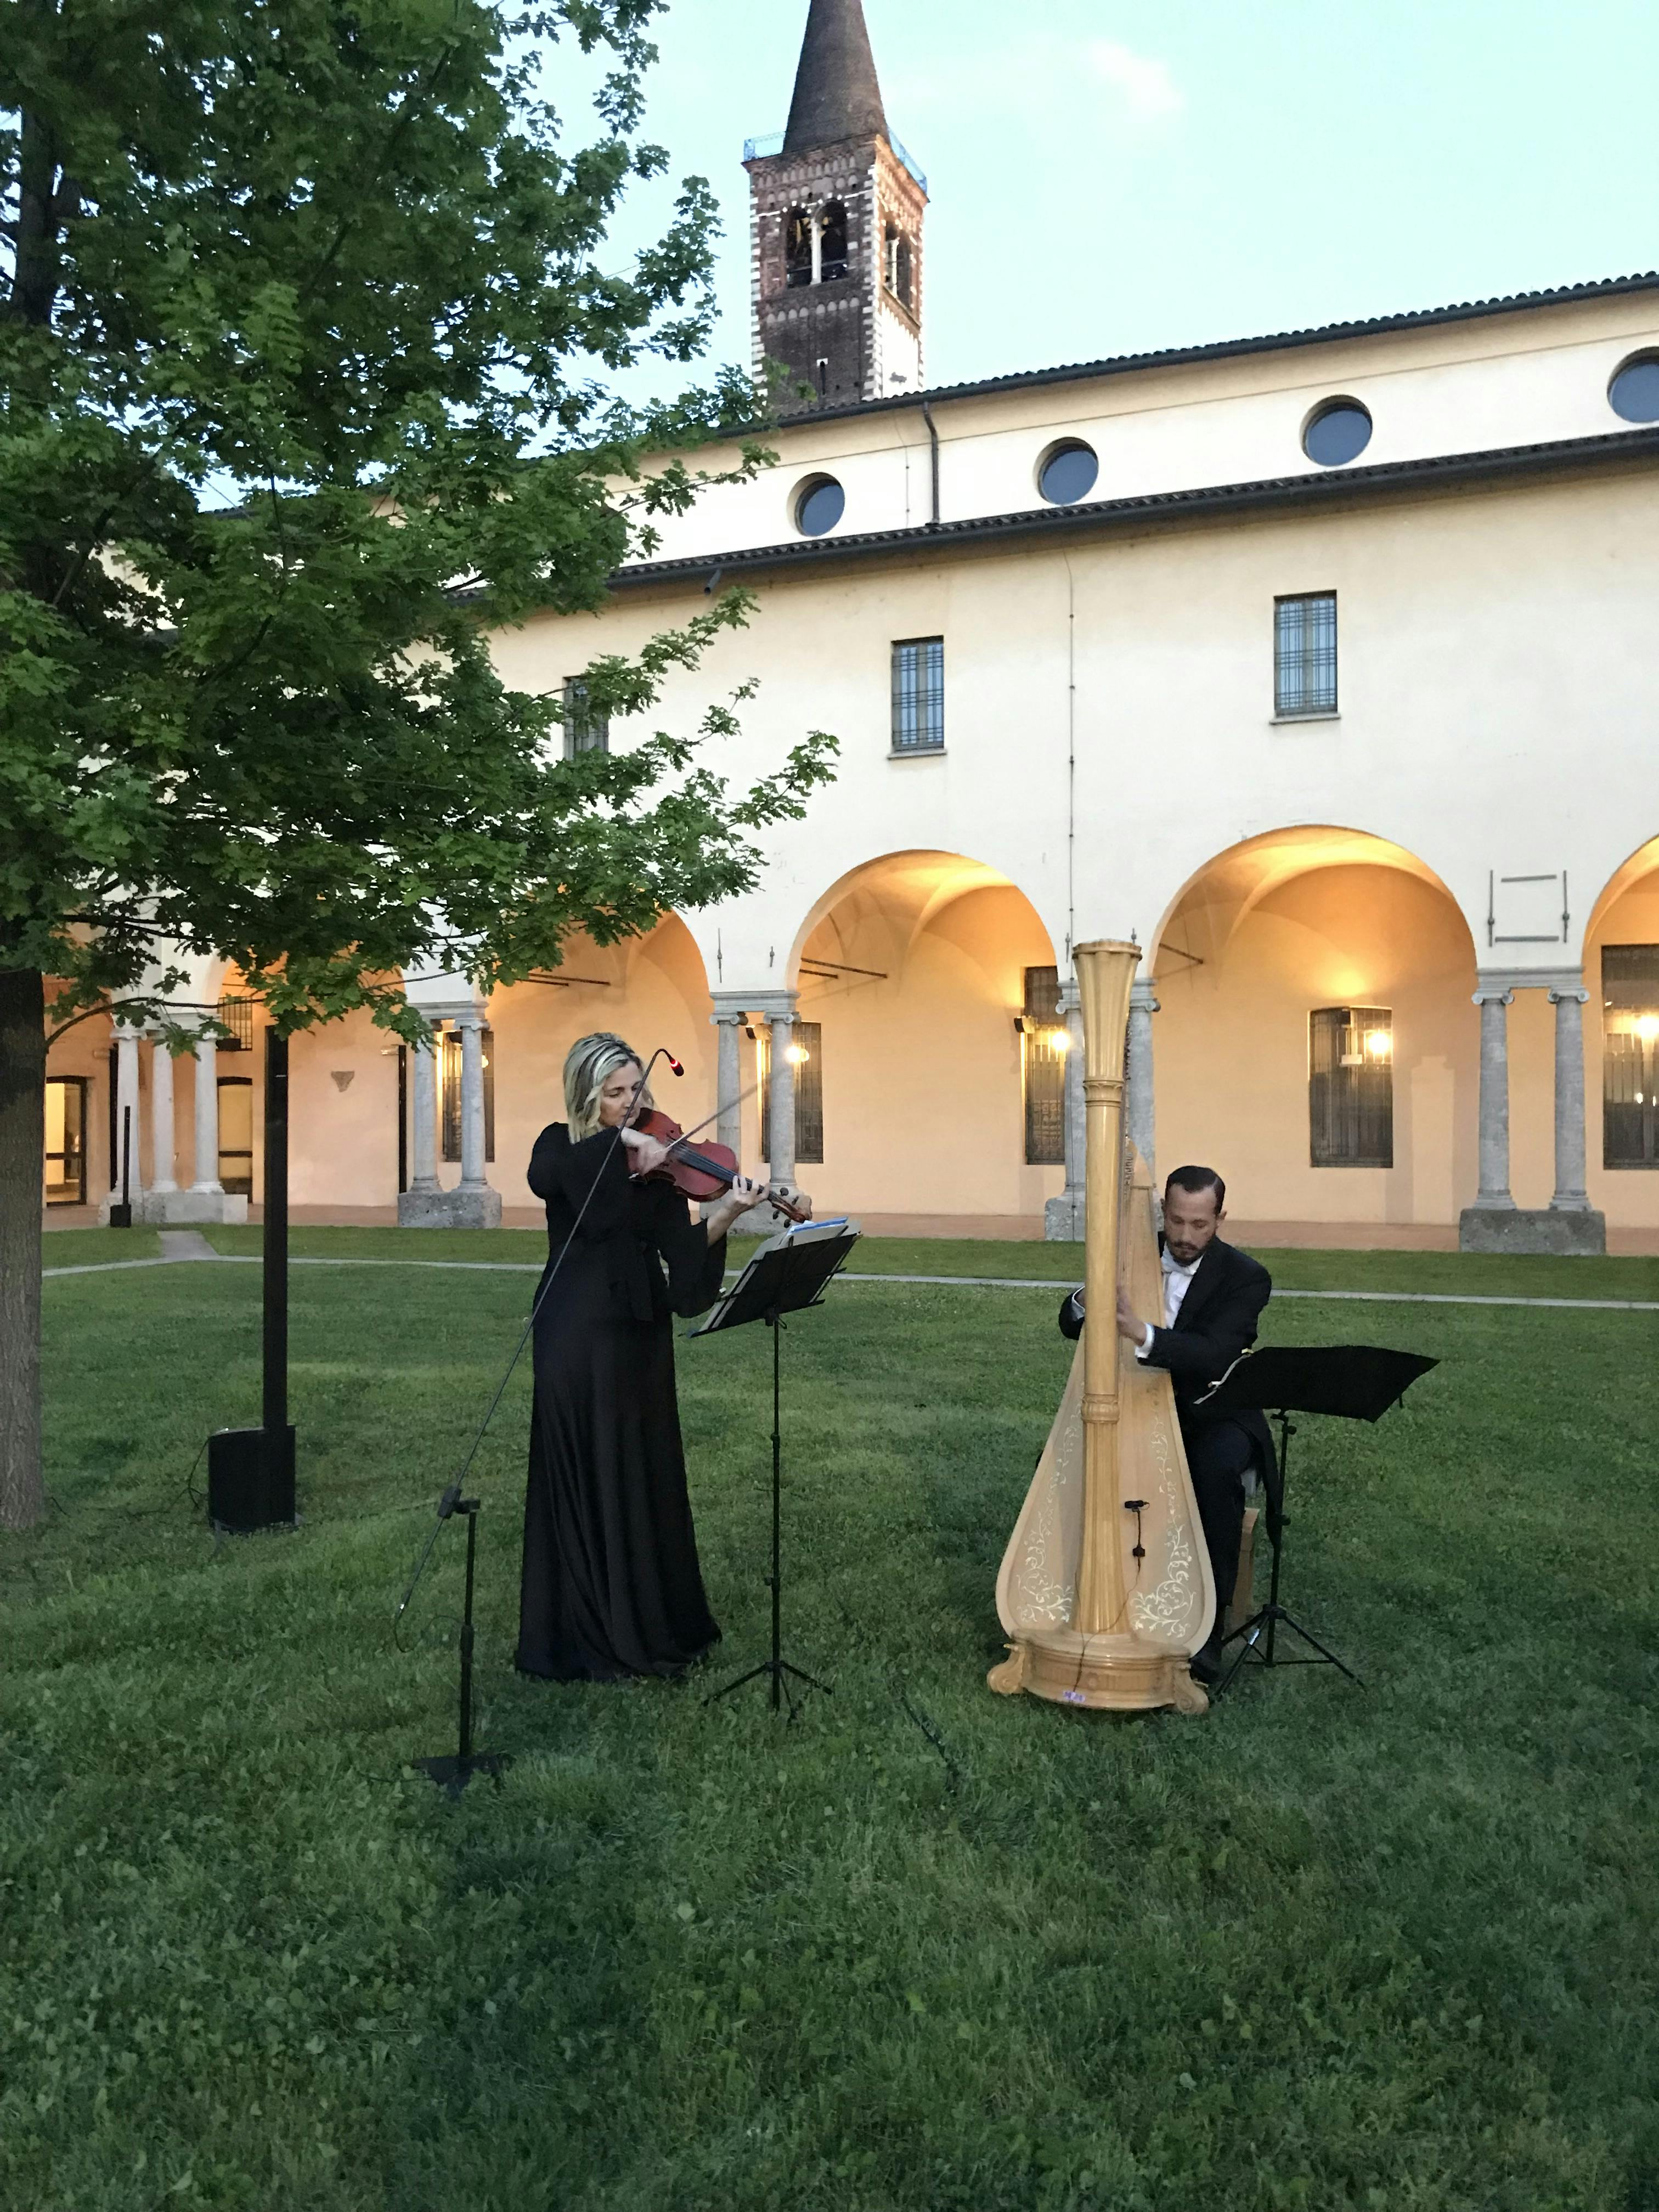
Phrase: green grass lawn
[927,1948]
[84,1248]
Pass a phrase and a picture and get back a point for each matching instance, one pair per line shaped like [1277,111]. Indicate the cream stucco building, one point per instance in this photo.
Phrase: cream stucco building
[1326,665]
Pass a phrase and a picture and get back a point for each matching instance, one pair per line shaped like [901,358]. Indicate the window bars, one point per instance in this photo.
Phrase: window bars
[1351,1087]
[1305,655]
[586,730]
[1044,1041]
[919,695]
[1630,1055]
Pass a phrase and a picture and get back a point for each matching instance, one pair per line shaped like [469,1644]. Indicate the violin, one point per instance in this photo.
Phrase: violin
[701,1171]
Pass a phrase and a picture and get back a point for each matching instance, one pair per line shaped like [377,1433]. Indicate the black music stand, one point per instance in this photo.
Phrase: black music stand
[787,1275]
[1354,1381]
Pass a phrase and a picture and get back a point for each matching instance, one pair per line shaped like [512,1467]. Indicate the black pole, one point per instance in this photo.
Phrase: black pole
[776,1321]
[452,1771]
[120,1214]
[466,1636]
[402,1119]
[279,1436]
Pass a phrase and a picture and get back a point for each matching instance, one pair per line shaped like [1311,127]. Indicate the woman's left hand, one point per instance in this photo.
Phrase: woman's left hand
[724,1210]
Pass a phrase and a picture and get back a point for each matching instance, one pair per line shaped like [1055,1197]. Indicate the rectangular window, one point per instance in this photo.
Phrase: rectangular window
[807,1052]
[1305,655]
[236,1135]
[1630,1055]
[66,1140]
[919,695]
[450,1068]
[586,730]
[1351,1086]
[1044,1043]
[237,1016]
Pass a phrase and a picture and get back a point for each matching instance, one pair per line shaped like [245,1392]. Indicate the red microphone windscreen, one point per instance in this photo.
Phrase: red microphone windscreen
[674,1064]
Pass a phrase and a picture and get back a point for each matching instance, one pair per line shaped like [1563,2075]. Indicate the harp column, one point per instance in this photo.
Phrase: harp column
[1105,973]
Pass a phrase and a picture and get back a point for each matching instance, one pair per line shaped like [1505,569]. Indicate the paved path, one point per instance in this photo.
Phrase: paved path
[180,1244]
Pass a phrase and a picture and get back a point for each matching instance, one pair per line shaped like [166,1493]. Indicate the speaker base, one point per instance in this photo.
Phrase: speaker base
[250,1480]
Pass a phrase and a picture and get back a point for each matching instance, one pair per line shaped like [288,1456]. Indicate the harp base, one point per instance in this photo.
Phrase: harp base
[1106,1673]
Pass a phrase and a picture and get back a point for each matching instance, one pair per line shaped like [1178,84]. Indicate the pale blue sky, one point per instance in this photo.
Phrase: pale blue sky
[1109,176]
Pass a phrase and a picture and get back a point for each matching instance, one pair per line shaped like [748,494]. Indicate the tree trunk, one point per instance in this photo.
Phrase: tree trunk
[22,1146]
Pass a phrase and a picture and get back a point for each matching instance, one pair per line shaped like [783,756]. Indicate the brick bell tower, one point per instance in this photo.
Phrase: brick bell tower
[835,230]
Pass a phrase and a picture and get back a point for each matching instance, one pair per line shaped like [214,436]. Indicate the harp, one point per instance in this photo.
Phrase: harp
[1105,1590]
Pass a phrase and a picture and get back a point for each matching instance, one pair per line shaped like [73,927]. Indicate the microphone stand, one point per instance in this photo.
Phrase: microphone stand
[453,1773]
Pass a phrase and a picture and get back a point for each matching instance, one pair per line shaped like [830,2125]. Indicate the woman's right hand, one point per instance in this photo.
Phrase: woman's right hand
[645,1154]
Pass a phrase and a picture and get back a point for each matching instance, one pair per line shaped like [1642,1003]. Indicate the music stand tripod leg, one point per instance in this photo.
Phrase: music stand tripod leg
[776,1669]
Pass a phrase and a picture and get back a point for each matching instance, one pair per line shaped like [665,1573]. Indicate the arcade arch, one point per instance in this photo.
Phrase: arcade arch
[913,967]
[1258,960]
[653,990]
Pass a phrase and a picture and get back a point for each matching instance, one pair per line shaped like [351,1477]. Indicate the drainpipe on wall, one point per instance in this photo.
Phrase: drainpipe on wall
[933,434]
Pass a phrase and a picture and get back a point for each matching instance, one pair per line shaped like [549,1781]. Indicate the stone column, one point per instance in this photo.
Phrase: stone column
[472,1103]
[161,1140]
[1571,1194]
[207,1118]
[1062,1217]
[728,1080]
[780,1099]
[1494,1191]
[423,1099]
[1139,1110]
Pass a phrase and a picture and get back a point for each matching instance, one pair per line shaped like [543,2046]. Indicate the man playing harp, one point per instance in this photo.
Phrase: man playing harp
[1213,1296]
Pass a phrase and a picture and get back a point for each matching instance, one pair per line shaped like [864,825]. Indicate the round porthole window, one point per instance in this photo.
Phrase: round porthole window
[819,506]
[1634,391]
[1337,433]
[1068,473]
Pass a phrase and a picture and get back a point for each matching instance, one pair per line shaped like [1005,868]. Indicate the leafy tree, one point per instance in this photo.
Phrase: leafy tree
[303,330]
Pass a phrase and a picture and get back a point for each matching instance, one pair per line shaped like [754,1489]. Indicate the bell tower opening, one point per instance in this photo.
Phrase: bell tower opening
[837,209]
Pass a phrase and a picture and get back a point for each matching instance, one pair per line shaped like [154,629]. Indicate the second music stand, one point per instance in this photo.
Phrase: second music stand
[1356,1382]
[787,1275]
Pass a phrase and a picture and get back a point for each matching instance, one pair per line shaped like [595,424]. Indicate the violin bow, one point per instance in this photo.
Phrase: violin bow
[686,1135]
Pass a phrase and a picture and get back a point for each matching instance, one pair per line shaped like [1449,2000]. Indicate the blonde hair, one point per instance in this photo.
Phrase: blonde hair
[589,1066]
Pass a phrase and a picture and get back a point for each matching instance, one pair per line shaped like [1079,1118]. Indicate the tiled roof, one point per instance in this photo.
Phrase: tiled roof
[1327,486]
[1229,348]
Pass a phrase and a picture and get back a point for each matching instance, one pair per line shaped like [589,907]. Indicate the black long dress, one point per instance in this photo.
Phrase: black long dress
[611,1586]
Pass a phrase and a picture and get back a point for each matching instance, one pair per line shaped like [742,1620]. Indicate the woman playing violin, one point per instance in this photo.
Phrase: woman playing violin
[611,1585]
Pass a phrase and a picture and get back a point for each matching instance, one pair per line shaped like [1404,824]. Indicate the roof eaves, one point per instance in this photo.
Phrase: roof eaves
[1230,348]
[1328,485]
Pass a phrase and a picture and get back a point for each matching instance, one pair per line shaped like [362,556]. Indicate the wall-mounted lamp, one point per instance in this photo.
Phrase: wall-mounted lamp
[798,1053]
[1647,1027]
[1379,1044]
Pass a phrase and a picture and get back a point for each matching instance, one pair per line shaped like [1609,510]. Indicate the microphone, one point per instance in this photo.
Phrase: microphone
[672,1062]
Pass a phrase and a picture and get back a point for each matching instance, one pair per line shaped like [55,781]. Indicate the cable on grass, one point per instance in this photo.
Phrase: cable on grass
[898,1691]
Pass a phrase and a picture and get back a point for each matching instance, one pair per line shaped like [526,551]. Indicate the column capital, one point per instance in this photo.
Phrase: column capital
[773,1005]
[1561,991]
[721,1018]
[1143,992]
[1070,997]
[1492,995]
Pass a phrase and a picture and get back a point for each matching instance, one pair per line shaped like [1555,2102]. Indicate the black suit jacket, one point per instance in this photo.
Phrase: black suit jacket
[1216,1323]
